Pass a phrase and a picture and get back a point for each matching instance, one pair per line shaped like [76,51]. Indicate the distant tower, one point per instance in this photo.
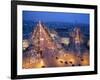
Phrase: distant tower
[76,40]
[78,36]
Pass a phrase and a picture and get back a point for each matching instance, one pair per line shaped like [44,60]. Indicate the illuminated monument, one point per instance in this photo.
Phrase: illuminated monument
[42,40]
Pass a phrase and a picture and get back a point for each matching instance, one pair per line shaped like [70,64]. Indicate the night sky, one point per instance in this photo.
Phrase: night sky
[56,17]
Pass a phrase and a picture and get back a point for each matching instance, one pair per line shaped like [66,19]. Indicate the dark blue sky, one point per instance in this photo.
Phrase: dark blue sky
[56,17]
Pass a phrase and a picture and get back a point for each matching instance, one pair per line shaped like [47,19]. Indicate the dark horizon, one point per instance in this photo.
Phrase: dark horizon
[74,18]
